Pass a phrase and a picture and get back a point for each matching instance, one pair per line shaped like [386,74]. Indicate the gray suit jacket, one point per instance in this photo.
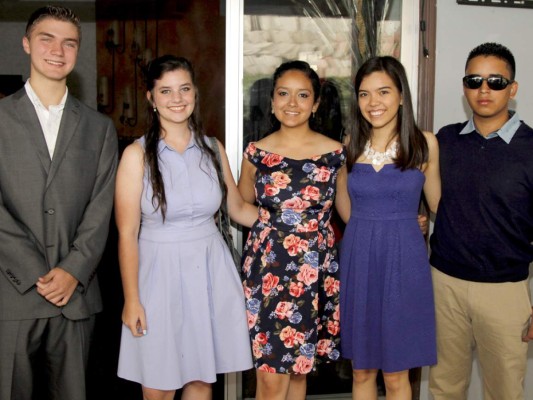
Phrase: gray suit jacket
[53,212]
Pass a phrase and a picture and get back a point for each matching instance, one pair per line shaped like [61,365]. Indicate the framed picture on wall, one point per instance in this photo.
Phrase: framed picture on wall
[499,3]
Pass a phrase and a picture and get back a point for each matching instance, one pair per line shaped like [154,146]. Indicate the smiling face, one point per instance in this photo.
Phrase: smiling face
[53,48]
[293,99]
[174,96]
[487,104]
[379,101]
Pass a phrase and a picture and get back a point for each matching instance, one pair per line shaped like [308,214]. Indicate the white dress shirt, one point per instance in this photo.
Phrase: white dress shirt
[50,118]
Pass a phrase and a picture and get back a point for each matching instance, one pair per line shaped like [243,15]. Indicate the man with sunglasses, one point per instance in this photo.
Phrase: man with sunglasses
[482,241]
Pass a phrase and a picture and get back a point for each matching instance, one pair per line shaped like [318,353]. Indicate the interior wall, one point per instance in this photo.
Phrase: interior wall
[460,28]
[197,33]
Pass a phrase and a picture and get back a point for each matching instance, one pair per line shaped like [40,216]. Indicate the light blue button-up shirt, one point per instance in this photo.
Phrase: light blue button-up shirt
[506,132]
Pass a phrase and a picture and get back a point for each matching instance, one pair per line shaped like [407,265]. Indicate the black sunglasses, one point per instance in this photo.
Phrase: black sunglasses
[494,82]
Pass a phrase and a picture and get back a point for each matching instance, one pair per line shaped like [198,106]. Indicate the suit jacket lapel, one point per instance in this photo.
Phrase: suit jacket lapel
[67,128]
[32,127]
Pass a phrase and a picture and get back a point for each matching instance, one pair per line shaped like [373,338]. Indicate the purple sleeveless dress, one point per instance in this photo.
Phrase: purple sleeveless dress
[188,283]
[387,309]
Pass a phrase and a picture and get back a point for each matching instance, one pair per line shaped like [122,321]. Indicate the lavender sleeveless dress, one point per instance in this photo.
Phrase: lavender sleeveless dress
[188,283]
[387,309]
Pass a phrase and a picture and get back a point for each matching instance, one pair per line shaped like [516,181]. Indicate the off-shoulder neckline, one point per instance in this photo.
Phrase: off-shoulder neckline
[315,157]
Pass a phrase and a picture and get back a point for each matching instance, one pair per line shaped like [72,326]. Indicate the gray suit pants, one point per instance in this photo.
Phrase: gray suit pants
[62,348]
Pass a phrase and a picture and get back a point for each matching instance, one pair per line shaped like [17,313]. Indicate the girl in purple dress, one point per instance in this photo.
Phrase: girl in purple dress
[387,310]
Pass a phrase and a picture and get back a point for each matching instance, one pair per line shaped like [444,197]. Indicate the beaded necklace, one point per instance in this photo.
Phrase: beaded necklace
[379,158]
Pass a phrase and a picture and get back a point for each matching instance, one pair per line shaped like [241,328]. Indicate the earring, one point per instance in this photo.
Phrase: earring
[155,109]
[314,114]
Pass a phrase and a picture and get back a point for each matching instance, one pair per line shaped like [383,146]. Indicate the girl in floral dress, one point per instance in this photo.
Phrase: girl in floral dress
[290,263]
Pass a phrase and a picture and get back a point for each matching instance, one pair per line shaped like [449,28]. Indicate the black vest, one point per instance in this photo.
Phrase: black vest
[484,225]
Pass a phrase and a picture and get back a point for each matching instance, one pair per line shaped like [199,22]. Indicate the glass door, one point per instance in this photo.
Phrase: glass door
[335,37]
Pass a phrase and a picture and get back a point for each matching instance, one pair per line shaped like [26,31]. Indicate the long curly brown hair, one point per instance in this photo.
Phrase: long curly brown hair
[154,71]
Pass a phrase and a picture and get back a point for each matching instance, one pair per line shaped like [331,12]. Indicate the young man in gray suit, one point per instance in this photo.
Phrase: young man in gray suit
[57,168]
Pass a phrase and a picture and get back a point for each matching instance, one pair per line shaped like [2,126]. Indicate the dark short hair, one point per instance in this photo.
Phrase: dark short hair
[496,50]
[55,12]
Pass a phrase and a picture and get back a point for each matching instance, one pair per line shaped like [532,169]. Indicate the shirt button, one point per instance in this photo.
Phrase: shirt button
[50,211]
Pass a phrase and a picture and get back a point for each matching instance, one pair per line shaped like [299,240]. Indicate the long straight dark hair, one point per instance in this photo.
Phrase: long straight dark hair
[155,71]
[413,149]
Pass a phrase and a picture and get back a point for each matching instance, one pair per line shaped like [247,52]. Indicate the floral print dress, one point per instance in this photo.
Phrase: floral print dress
[290,265]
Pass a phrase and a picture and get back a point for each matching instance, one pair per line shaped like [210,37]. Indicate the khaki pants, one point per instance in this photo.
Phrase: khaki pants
[490,318]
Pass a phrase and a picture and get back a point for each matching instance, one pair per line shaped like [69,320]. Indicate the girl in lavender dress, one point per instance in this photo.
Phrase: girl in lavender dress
[184,314]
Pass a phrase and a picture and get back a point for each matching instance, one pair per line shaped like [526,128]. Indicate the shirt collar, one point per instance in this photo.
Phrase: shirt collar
[37,101]
[162,145]
[506,132]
